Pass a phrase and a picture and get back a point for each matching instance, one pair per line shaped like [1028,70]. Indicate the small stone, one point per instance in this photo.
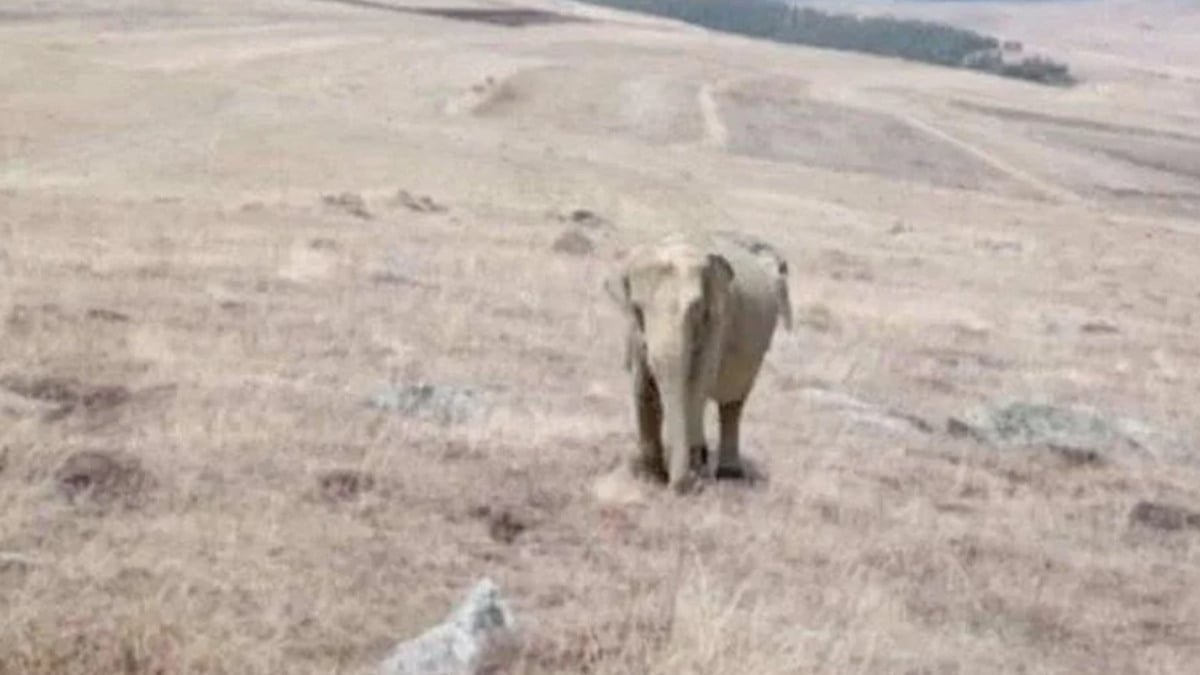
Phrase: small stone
[587,218]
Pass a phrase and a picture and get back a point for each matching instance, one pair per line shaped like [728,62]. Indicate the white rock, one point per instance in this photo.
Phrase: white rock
[479,635]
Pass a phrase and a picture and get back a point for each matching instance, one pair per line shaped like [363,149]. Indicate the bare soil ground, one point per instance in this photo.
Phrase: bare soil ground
[226,226]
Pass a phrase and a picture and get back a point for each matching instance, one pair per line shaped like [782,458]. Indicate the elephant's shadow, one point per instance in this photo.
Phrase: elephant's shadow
[752,474]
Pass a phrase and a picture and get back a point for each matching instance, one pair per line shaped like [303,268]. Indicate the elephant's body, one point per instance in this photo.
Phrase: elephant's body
[753,312]
[703,310]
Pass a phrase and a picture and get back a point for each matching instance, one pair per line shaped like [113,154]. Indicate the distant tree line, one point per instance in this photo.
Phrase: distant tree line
[925,41]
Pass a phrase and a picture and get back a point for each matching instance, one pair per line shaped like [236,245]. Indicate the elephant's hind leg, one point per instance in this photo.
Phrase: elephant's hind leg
[729,462]
[650,420]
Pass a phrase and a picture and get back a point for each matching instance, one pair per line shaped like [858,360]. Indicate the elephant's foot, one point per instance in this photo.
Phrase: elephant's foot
[649,466]
[685,484]
[731,472]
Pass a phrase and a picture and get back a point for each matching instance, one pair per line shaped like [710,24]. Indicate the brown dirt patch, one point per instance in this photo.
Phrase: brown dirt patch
[344,485]
[68,393]
[417,203]
[102,478]
[348,202]
[107,315]
[573,242]
[503,524]
[1166,517]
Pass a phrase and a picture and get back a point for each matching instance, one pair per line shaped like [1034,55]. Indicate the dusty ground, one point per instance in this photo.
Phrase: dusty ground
[206,270]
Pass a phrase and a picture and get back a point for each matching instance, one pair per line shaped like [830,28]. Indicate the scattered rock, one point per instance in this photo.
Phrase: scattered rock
[478,637]
[1166,517]
[108,315]
[416,203]
[101,478]
[1076,456]
[446,404]
[573,242]
[344,485]
[587,219]
[66,394]
[348,202]
[1081,435]
[503,525]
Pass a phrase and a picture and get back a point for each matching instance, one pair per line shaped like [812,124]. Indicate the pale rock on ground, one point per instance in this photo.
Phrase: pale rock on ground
[478,636]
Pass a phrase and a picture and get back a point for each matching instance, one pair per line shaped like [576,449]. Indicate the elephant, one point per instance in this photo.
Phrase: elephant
[701,312]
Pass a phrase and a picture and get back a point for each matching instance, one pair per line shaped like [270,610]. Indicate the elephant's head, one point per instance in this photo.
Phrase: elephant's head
[676,299]
[676,304]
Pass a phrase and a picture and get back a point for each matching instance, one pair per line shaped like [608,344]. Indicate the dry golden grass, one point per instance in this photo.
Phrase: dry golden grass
[176,297]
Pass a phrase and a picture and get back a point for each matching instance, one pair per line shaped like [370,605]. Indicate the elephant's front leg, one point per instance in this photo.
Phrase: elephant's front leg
[650,417]
[729,463]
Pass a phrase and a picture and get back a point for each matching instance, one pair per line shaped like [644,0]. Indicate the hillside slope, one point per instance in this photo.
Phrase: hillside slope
[225,227]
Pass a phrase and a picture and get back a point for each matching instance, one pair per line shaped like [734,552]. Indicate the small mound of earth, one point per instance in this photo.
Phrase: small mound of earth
[348,202]
[573,242]
[102,478]
[343,485]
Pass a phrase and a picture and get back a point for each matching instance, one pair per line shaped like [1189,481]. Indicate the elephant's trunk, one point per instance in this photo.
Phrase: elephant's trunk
[682,395]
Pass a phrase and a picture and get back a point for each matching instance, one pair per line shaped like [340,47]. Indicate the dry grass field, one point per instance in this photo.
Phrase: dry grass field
[226,225]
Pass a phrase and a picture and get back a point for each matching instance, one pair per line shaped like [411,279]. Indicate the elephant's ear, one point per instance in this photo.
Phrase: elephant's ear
[617,287]
[720,272]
